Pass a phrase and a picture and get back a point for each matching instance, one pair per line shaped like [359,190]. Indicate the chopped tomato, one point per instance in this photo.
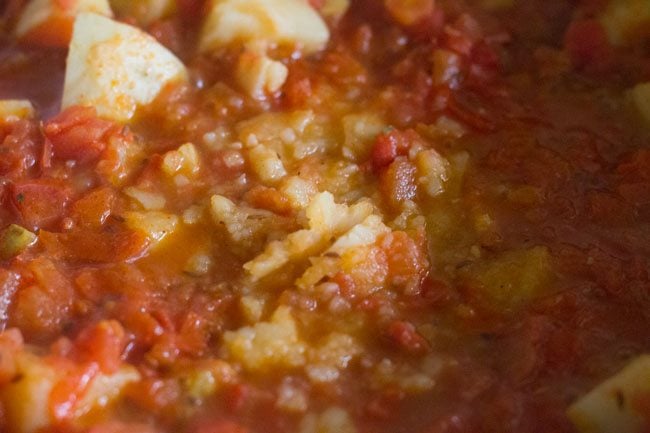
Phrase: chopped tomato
[102,343]
[70,387]
[407,262]
[270,199]
[55,32]
[105,246]
[40,203]
[94,208]
[397,182]
[78,134]
[41,307]
[389,146]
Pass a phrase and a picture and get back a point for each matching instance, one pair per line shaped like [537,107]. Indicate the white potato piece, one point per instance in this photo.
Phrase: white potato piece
[267,345]
[327,220]
[104,389]
[50,21]
[284,22]
[627,21]
[15,109]
[610,408]
[258,74]
[26,401]
[155,225]
[116,67]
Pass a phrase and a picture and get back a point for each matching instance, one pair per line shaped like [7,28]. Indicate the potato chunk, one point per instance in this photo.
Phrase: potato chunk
[612,406]
[284,22]
[258,74]
[26,400]
[268,345]
[627,21]
[49,22]
[15,109]
[116,67]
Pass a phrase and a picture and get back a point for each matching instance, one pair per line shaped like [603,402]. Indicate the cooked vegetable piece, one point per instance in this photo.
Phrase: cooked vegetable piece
[154,224]
[14,109]
[49,22]
[14,240]
[116,67]
[104,390]
[267,345]
[284,22]
[258,74]
[26,399]
[513,278]
[627,21]
[615,406]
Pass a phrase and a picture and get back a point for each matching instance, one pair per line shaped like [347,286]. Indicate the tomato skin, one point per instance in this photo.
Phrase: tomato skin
[94,208]
[389,146]
[55,32]
[407,260]
[67,391]
[20,147]
[78,134]
[102,343]
[96,247]
[397,182]
[40,203]
[41,307]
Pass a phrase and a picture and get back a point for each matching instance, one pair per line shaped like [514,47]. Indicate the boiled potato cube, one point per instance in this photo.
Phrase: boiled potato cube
[15,109]
[610,407]
[627,21]
[25,400]
[258,74]
[49,22]
[154,224]
[116,67]
[284,22]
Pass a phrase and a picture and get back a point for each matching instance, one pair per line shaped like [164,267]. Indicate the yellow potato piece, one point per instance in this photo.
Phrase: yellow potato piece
[609,408]
[284,22]
[38,15]
[116,67]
